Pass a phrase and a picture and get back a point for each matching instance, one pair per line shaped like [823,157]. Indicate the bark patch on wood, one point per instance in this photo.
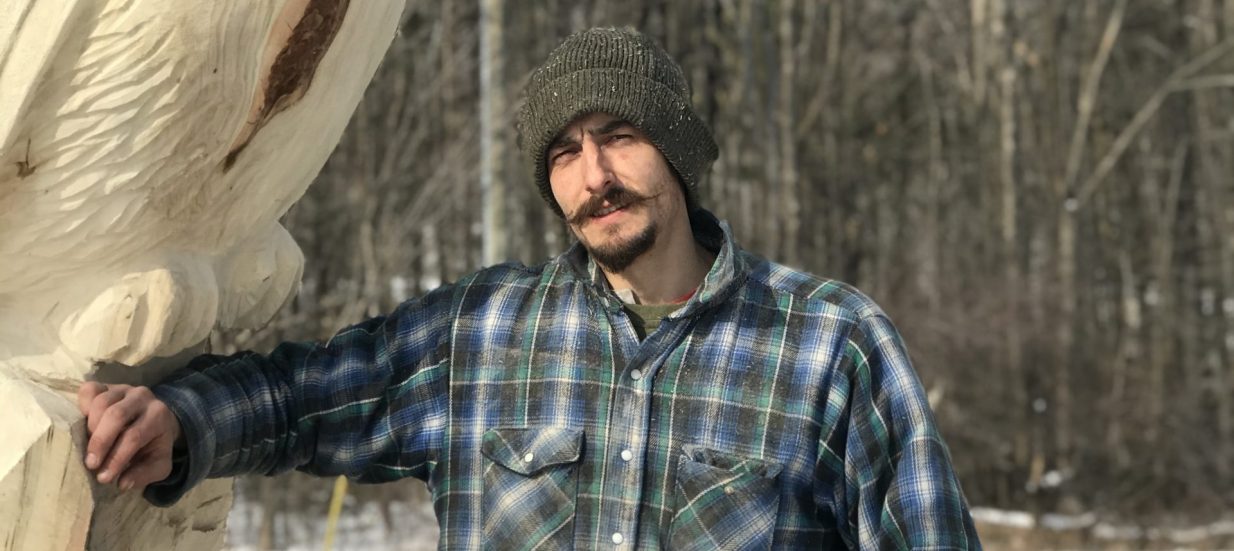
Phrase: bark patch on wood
[292,72]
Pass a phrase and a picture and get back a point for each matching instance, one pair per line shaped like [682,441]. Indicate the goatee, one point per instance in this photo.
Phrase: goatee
[616,257]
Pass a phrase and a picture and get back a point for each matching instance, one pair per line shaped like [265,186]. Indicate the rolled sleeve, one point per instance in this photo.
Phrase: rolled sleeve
[370,403]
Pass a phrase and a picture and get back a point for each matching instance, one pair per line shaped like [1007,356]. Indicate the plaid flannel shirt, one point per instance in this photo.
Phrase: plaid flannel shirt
[773,409]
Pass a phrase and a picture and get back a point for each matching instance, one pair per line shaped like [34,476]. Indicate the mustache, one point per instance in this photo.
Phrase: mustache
[615,195]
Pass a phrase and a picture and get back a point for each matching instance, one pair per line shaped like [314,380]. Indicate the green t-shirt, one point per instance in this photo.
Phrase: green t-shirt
[646,317]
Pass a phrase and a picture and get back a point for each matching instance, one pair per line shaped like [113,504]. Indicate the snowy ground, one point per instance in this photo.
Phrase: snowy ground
[414,529]
[360,527]
[1004,529]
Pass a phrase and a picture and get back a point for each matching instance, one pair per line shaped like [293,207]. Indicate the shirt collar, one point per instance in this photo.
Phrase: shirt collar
[727,273]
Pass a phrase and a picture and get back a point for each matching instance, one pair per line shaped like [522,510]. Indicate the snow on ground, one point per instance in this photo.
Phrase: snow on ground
[414,529]
[1104,530]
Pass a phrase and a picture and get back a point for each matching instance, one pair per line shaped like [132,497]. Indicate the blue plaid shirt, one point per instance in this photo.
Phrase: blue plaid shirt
[773,409]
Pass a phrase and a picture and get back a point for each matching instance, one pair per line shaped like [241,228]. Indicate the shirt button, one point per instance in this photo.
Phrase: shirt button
[627,455]
[636,374]
[527,457]
[617,538]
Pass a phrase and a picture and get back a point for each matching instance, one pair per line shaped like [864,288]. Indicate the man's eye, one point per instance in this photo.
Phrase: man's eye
[560,155]
[618,138]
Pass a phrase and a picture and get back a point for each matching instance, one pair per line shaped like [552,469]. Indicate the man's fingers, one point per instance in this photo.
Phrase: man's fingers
[99,405]
[132,440]
[129,428]
[110,424]
[86,394]
[145,440]
[151,465]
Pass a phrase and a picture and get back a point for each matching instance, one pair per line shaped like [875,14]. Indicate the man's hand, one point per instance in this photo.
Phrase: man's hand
[131,434]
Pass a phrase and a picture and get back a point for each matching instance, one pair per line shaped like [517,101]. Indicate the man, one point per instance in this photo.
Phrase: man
[654,386]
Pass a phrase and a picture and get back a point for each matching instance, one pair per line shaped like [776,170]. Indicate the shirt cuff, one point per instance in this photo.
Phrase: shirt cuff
[191,465]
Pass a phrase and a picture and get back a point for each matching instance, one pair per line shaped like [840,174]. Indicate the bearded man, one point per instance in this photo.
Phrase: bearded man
[654,386]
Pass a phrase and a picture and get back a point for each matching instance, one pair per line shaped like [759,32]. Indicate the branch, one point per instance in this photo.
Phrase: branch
[1177,81]
[1088,95]
[1205,82]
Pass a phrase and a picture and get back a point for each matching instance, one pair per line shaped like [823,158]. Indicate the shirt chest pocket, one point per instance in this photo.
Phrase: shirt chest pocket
[723,501]
[530,485]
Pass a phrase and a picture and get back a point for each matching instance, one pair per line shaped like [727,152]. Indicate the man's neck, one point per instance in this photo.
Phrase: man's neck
[670,271]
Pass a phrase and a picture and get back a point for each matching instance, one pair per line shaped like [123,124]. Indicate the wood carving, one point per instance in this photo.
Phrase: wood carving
[147,151]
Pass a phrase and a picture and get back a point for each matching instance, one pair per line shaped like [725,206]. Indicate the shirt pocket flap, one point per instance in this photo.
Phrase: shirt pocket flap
[530,450]
[705,457]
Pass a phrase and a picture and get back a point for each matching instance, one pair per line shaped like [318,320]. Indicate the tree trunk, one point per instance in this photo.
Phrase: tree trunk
[492,124]
[790,192]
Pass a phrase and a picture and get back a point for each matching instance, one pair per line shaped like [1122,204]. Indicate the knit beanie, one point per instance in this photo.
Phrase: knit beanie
[625,74]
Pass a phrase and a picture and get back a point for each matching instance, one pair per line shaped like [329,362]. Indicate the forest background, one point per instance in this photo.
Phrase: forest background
[1039,193]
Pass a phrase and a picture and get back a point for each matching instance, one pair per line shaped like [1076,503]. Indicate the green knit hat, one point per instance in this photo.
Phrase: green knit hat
[625,74]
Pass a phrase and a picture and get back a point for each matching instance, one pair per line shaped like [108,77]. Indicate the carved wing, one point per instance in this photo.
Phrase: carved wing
[30,33]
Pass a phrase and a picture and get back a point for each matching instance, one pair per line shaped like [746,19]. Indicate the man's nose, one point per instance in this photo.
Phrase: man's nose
[597,174]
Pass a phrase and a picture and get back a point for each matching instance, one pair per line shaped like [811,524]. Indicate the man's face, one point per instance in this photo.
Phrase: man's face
[614,186]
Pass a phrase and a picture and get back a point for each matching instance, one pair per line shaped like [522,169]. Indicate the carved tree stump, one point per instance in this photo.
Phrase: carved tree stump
[147,151]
